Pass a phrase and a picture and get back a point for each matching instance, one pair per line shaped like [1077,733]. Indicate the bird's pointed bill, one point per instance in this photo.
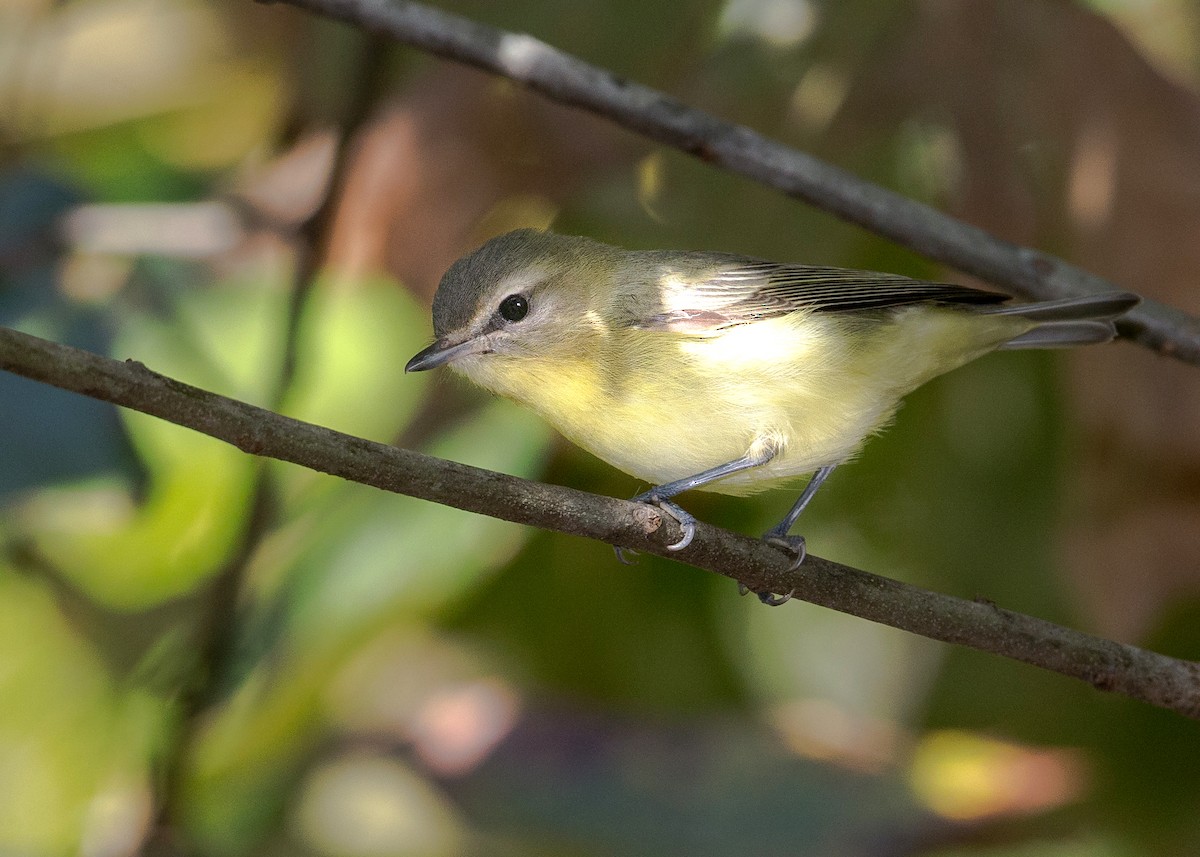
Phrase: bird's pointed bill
[443,352]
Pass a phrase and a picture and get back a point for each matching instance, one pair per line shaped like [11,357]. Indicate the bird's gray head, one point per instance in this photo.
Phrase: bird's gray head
[521,293]
[510,263]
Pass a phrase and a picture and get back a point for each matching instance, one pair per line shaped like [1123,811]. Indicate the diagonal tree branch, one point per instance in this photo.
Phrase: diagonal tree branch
[1107,665]
[738,149]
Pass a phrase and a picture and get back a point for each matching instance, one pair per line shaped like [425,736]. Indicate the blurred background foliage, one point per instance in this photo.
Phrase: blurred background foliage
[205,653]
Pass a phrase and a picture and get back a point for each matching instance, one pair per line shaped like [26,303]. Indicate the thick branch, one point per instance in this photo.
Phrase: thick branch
[567,79]
[1144,675]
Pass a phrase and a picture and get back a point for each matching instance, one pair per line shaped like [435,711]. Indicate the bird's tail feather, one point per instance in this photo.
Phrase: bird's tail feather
[1070,321]
[1063,334]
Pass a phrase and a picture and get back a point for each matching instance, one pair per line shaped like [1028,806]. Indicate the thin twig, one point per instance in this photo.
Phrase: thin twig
[1107,665]
[738,149]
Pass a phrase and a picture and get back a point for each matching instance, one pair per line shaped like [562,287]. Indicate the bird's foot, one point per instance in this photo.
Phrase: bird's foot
[793,546]
[687,523]
[768,598]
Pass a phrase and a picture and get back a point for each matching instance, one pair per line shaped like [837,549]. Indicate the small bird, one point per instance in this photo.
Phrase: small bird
[715,371]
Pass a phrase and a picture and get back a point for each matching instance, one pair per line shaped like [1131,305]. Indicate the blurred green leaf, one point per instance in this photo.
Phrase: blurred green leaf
[356,558]
[73,752]
[364,554]
[133,548]
[353,340]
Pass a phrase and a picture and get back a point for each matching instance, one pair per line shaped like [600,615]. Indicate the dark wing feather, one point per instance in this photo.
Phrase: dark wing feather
[783,288]
[726,290]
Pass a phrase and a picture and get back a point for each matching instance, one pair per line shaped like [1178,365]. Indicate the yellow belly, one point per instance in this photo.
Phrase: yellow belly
[663,406]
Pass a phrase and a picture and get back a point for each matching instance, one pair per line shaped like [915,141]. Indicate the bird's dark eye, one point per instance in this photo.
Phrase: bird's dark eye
[514,307]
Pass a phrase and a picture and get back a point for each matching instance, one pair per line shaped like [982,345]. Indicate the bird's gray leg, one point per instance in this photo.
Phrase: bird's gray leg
[781,529]
[661,495]
[778,535]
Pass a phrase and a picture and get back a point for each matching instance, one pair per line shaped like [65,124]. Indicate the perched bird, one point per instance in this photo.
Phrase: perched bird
[716,371]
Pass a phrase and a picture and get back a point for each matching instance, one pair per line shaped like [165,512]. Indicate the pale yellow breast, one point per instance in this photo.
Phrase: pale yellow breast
[665,406]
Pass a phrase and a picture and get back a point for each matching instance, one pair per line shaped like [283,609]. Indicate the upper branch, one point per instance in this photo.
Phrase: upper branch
[1107,665]
[565,78]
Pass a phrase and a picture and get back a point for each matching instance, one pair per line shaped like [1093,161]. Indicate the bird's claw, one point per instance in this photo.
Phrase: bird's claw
[622,557]
[687,523]
[794,546]
[773,600]
[768,598]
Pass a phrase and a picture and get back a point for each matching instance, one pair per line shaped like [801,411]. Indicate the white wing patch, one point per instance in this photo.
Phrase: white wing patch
[768,343]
